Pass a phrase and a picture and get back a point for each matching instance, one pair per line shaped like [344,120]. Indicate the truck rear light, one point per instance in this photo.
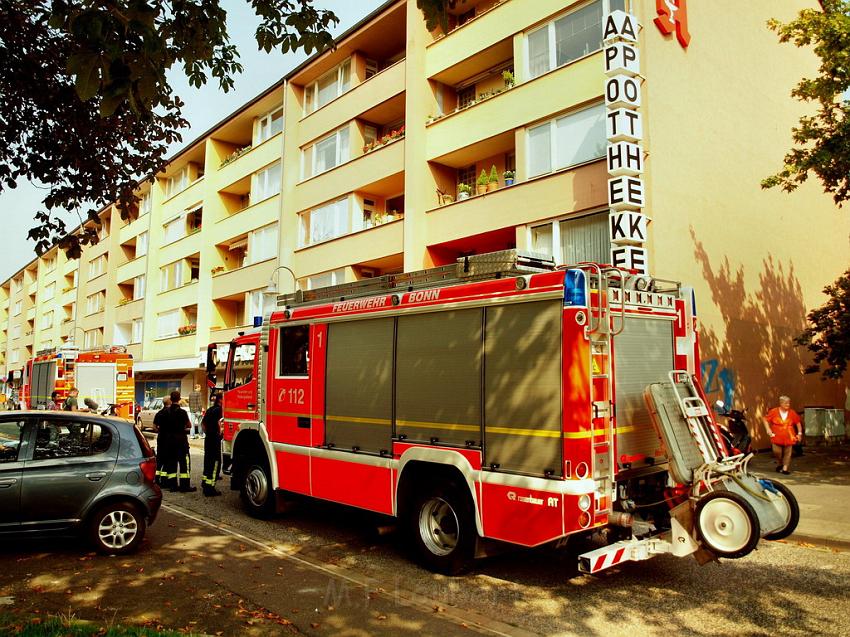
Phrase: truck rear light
[148,468]
[584,502]
[584,519]
[582,470]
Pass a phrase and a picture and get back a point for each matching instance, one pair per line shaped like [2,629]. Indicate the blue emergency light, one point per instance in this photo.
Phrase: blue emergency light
[575,288]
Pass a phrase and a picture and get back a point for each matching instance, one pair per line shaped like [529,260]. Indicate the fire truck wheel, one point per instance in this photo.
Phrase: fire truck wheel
[727,524]
[792,512]
[257,492]
[442,528]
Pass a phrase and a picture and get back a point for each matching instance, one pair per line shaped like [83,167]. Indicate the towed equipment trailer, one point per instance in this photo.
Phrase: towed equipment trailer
[498,398]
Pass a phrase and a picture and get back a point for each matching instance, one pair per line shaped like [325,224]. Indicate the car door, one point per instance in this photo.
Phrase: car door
[13,447]
[71,461]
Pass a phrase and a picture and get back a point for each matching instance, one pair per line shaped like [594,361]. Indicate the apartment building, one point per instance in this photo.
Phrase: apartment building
[366,160]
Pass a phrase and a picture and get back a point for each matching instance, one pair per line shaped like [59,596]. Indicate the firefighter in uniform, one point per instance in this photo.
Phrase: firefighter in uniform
[212,446]
[178,468]
[159,423]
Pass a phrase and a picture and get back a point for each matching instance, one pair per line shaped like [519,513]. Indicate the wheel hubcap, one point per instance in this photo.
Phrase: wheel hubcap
[438,526]
[117,529]
[256,487]
[725,525]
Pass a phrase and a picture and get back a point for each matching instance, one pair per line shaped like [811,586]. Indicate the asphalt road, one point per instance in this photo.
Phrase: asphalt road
[784,588]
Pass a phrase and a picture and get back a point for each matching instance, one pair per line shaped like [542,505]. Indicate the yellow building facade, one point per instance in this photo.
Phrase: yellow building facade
[403,148]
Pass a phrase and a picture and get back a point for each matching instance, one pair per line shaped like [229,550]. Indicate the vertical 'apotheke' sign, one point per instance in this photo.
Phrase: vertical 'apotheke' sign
[624,129]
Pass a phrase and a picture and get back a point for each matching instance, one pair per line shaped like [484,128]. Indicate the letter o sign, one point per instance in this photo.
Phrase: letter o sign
[622,91]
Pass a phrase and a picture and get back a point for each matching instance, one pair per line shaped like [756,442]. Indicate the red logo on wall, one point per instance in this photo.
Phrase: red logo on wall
[673,16]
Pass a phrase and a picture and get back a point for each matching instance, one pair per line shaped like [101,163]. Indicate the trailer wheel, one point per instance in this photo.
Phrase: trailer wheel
[792,513]
[257,492]
[441,526]
[727,524]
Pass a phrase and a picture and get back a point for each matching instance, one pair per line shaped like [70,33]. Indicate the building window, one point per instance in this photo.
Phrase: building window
[257,303]
[567,38]
[466,96]
[323,280]
[97,266]
[167,324]
[47,320]
[328,87]
[49,264]
[265,183]
[16,356]
[467,176]
[136,331]
[178,182]
[174,229]
[142,244]
[139,287]
[325,222]
[572,241]
[145,203]
[268,126]
[16,331]
[49,291]
[76,278]
[567,141]
[17,309]
[327,153]
[92,338]
[173,275]
[262,243]
[94,302]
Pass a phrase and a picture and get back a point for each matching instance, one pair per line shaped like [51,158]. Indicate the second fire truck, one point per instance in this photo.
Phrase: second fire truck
[496,399]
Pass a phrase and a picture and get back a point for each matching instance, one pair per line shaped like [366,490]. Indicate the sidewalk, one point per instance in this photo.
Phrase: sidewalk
[820,479]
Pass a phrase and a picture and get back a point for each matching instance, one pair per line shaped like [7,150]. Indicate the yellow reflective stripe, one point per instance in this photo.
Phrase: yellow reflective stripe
[577,435]
[366,421]
[437,425]
[534,433]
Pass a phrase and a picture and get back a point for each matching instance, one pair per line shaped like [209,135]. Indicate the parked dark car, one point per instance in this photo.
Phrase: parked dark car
[76,473]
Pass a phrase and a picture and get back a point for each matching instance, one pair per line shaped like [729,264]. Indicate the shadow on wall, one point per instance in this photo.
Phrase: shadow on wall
[754,359]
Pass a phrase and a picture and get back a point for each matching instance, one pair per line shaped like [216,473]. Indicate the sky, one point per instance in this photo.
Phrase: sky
[204,107]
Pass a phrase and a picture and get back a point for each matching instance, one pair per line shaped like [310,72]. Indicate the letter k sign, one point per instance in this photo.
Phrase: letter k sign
[673,16]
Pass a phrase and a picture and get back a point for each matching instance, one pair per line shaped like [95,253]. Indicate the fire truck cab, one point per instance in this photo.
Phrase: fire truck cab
[498,398]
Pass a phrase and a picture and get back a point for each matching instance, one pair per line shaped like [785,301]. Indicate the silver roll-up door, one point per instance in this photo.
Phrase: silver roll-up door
[522,384]
[438,376]
[359,385]
[643,354]
[43,375]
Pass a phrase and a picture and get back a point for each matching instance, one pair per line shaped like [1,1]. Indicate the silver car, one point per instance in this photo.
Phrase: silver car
[76,473]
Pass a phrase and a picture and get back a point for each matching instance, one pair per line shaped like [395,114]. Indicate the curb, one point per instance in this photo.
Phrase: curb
[825,542]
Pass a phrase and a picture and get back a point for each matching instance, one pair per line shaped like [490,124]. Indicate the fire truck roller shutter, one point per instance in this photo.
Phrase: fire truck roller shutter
[438,376]
[522,388]
[360,385]
[43,381]
[643,354]
[96,381]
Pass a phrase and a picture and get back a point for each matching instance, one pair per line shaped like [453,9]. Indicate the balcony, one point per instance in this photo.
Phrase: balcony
[134,228]
[244,279]
[31,314]
[249,162]
[377,168]
[127,311]
[551,195]
[135,350]
[174,347]
[364,246]
[32,288]
[227,334]
[179,249]
[131,269]
[192,194]
[68,297]
[257,215]
[178,297]
[363,98]
[571,85]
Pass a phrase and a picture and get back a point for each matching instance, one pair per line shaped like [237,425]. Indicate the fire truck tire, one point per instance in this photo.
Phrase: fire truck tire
[727,524]
[257,493]
[792,514]
[441,525]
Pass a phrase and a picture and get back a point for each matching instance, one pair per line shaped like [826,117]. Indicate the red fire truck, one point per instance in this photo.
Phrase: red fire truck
[104,375]
[498,399]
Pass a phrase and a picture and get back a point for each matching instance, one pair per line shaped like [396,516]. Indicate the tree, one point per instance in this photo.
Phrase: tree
[828,336]
[821,141]
[85,104]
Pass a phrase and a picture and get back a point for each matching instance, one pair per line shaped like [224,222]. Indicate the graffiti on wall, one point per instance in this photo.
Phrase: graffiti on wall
[718,382]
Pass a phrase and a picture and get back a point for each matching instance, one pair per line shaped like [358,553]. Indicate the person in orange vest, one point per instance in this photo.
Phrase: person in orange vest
[785,430]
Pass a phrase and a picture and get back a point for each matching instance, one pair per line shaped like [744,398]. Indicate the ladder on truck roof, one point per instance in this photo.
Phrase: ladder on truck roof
[479,267]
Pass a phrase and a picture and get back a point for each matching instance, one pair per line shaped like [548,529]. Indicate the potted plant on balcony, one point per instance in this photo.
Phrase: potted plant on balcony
[217,269]
[186,330]
[508,77]
[463,191]
[509,177]
[481,183]
[493,180]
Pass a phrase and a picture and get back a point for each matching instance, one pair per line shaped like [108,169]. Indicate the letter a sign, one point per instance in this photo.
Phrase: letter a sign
[673,17]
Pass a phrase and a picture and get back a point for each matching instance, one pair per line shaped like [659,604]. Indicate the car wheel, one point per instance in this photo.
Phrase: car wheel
[441,527]
[790,508]
[257,492]
[727,524]
[117,528]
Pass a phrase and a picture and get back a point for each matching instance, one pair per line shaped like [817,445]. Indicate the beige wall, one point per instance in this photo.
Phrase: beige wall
[718,118]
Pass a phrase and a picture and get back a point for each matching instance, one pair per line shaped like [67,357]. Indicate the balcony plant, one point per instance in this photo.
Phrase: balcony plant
[124,302]
[509,177]
[463,191]
[481,183]
[508,77]
[236,154]
[493,180]
[186,330]
[217,269]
